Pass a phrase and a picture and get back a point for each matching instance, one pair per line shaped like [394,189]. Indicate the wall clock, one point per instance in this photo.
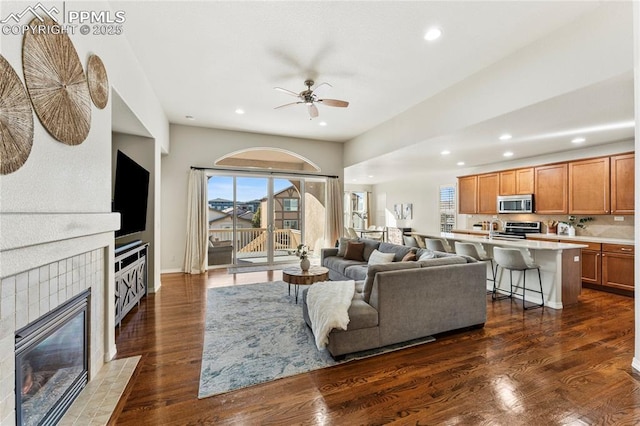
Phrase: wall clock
[56,83]
[16,120]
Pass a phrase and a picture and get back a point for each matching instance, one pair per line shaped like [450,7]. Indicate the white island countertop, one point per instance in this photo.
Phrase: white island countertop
[578,238]
[497,241]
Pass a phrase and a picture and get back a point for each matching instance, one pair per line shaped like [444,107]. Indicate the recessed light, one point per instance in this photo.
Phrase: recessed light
[578,140]
[370,176]
[322,123]
[508,154]
[433,34]
[189,117]
[460,163]
[505,137]
[445,152]
[239,111]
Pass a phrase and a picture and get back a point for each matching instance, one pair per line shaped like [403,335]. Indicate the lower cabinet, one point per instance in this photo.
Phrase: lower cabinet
[617,266]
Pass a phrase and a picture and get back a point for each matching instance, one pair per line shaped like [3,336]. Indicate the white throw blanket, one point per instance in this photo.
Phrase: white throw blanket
[328,305]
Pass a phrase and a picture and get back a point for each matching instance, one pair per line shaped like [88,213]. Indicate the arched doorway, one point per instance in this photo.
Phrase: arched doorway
[263,203]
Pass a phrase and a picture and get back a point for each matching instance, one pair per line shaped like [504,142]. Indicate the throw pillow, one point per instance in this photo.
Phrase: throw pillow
[427,255]
[409,257]
[354,251]
[342,245]
[378,257]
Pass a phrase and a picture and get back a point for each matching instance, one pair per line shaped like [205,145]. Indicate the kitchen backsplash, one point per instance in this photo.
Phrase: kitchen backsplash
[601,225]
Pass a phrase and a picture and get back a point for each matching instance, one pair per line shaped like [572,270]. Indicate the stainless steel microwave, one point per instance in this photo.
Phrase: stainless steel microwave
[515,203]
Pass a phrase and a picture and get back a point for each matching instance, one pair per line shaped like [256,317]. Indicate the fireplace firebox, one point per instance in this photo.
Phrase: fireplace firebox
[52,356]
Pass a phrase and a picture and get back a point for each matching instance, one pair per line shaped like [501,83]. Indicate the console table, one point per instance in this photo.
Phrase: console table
[130,279]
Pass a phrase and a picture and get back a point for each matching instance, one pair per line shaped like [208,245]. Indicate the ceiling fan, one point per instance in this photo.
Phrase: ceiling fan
[310,98]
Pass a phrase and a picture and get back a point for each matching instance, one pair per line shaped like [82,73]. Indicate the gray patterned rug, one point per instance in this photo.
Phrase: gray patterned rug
[254,334]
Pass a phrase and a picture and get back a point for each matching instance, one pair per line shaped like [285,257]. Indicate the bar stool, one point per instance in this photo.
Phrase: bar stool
[513,260]
[468,249]
[434,244]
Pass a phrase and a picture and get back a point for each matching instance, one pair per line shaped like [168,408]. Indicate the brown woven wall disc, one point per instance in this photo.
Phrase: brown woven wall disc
[16,120]
[98,81]
[56,83]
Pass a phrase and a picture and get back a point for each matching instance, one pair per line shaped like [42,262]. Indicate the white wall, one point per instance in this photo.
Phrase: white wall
[636,62]
[201,147]
[423,191]
[577,55]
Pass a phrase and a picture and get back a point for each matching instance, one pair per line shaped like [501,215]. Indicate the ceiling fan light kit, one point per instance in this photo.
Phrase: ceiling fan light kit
[309,98]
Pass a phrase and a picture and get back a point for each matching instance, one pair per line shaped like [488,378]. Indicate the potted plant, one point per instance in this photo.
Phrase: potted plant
[574,223]
[302,251]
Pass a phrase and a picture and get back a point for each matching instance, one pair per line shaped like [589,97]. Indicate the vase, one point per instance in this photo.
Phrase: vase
[571,231]
[305,264]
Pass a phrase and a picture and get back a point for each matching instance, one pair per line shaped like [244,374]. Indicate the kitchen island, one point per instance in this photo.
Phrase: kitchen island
[560,265]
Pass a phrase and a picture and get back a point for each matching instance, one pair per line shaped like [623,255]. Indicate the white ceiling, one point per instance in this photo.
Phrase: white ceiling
[206,59]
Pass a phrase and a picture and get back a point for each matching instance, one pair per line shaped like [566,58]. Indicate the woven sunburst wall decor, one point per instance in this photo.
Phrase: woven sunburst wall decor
[56,83]
[98,81]
[16,120]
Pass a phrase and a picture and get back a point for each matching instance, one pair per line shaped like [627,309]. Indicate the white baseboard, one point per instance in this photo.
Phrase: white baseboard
[171,271]
[636,364]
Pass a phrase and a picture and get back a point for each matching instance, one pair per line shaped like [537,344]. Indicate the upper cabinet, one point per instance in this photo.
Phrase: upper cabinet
[467,194]
[488,193]
[622,184]
[589,186]
[516,182]
[551,189]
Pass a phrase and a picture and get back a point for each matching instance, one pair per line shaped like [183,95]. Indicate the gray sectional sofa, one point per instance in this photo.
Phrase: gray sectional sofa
[401,301]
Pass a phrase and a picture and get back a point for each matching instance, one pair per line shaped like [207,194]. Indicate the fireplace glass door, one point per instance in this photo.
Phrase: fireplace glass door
[51,363]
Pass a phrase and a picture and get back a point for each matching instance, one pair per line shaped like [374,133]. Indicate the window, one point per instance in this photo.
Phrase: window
[290,204]
[290,224]
[447,208]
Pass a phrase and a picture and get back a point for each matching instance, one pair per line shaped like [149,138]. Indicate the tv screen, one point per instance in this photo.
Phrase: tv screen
[130,193]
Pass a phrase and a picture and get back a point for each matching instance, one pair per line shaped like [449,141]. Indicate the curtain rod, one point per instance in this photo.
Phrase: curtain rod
[221,169]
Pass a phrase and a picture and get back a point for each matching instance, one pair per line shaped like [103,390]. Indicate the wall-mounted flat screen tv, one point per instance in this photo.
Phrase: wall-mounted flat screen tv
[130,193]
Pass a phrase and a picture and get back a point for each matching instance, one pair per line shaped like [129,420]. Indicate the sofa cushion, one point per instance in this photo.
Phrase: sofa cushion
[374,269]
[354,251]
[356,272]
[361,315]
[377,257]
[342,245]
[427,254]
[340,264]
[369,247]
[398,251]
[440,261]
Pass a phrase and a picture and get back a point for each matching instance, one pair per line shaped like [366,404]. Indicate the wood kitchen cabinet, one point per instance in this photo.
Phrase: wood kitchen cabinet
[488,193]
[516,182]
[617,266]
[592,264]
[551,184]
[589,185]
[622,184]
[467,194]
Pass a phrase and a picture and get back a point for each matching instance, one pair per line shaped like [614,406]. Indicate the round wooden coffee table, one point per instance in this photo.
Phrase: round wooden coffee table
[298,277]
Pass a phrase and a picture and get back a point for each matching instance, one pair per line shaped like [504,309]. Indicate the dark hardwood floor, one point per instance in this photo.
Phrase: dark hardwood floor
[540,367]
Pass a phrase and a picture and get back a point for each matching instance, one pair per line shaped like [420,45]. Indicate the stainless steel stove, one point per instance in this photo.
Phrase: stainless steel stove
[519,230]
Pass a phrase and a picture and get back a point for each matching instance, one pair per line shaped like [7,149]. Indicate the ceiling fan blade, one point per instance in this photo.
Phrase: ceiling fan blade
[286,105]
[321,88]
[334,102]
[313,111]
[288,92]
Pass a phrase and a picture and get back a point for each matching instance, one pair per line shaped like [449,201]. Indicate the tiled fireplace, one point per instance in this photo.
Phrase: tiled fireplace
[66,256]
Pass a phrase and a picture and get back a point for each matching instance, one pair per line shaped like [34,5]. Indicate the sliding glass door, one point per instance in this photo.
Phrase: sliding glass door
[260,219]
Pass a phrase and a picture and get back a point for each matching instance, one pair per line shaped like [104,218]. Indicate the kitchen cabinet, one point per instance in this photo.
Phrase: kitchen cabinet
[551,184]
[467,194]
[622,184]
[589,185]
[516,182]
[617,266]
[592,264]
[488,193]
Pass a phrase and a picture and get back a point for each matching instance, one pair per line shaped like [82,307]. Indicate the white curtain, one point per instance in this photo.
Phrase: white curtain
[335,221]
[195,254]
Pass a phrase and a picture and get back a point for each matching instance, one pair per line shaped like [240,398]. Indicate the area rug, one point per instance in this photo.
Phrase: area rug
[255,333]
